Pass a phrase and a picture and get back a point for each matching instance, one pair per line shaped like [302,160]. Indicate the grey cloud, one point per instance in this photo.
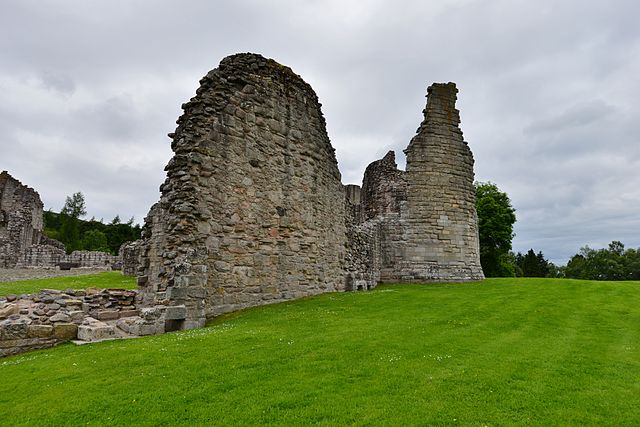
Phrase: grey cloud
[577,116]
[58,82]
[548,95]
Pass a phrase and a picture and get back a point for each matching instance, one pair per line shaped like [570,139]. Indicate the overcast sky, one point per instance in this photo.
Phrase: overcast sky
[549,95]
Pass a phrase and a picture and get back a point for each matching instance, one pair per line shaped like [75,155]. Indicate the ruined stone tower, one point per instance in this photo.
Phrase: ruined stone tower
[253,212]
[441,223]
[418,225]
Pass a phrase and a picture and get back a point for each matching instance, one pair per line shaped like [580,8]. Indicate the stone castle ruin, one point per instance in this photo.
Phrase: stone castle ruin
[253,210]
[22,240]
[20,219]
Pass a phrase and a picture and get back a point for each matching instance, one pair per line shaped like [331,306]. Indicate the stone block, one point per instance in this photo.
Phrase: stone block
[152,313]
[77,316]
[60,317]
[128,313]
[95,331]
[177,312]
[39,331]
[65,331]
[74,302]
[177,293]
[128,324]
[107,315]
[8,309]
[150,329]
[11,330]
[196,292]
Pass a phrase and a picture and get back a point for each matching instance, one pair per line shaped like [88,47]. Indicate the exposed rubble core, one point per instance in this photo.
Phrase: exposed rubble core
[129,253]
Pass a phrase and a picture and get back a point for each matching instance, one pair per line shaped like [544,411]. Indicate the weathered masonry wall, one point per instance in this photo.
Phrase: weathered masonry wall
[20,219]
[442,234]
[421,224]
[252,211]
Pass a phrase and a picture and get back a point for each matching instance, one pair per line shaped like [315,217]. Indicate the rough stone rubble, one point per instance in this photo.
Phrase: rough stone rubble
[29,322]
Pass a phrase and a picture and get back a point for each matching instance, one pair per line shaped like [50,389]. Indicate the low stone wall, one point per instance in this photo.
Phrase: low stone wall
[42,256]
[42,320]
[93,259]
[51,256]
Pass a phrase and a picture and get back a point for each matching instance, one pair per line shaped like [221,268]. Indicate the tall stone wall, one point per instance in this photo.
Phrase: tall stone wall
[21,220]
[252,210]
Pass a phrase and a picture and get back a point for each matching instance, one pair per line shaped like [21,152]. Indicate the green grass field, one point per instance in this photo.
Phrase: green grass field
[501,352]
[109,279]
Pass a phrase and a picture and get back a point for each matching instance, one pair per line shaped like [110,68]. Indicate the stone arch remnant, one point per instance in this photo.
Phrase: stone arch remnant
[253,211]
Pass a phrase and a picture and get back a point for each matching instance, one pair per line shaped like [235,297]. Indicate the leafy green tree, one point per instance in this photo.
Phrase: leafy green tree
[612,263]
[74,208]
[576,267]
[95,240]
[555,271]
[631,260]
[496,217]
[116,234]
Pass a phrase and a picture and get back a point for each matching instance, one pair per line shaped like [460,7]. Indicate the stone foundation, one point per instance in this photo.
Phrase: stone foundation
[29,322]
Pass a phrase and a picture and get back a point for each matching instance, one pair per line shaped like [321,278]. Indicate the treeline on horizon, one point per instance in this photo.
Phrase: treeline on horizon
[612,263]
[89,235]
[496,217]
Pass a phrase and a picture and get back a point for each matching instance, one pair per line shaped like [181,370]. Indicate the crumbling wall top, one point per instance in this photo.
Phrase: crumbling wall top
[383,187]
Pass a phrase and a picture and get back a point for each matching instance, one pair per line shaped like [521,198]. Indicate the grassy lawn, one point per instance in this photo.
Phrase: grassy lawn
[503,352]
[109,279]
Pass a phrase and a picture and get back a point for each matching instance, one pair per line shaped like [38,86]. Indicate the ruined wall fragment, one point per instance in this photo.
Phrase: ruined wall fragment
[130,255]
[382,199]
[441,223]
[252,211]
[21,220]
[384,187]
